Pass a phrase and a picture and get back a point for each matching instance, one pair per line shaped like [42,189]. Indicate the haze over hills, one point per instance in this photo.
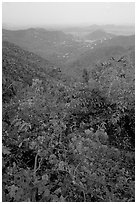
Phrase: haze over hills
[101,50]
[123,41]
[66,50]
[110,28]
[99,35]
[55,46]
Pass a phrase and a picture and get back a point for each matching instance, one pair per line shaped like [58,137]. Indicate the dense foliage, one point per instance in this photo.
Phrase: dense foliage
[116,80]
[58,142]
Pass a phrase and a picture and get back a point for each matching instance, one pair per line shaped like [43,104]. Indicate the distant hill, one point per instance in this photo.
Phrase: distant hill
[115,29]
[98,35]
[101,50]
[63,50]
[55,46]
[34,34]
[20,67]
[51,45]
[123,41]
[109,28]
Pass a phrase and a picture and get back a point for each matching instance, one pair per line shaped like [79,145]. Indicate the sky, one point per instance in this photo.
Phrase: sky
[67,14]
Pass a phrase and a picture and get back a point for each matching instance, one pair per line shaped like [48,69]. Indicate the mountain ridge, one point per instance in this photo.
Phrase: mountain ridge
[98,35]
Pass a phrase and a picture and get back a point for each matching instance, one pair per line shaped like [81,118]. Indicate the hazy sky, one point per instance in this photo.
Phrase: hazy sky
[36,14]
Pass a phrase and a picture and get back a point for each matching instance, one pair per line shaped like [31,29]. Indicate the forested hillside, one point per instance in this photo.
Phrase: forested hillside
[21,66]
[71,53]
[89,59]
[66,140]
[55,46]
[99,35]
[100,50]
[123,41]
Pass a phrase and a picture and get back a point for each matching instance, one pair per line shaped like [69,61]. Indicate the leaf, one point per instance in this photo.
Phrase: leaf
[27,200]
[41,187]
[57,191]
[79,147]
[33,145]
[46,192]
[5,150]
[19,194]
[61,166]
[55,198]
[13,190]
[45,178]
[62,199]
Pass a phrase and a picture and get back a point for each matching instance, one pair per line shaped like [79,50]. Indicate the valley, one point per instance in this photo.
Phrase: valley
[68,119]
[65,49]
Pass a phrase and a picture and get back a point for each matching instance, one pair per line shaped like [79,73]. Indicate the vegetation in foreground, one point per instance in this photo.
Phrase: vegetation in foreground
[66,142]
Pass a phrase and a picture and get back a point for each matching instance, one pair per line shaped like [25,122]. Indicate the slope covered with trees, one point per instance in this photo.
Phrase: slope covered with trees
[116,80]
[89,59]
[98,35]
[21,66]
[66,140]
[123,41]
[100,50]
[56,46]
